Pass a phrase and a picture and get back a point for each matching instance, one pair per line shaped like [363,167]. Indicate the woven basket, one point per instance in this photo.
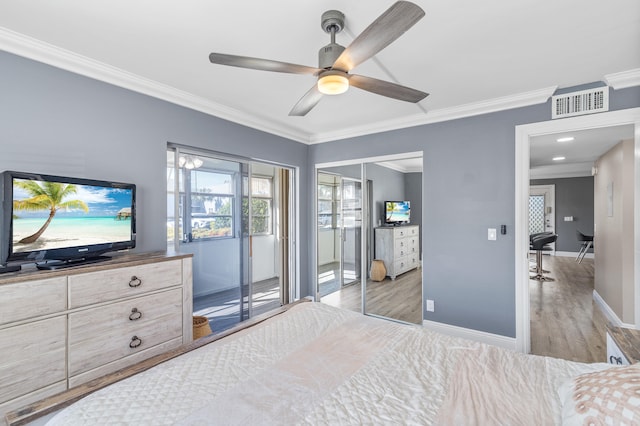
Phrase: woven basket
[201,327]
[378,271]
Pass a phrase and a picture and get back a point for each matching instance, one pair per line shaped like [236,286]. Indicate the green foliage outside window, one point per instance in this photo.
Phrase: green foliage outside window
[261,215]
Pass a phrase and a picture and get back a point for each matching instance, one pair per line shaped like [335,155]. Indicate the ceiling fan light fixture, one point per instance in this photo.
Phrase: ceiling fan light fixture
[190,162]
[333,83]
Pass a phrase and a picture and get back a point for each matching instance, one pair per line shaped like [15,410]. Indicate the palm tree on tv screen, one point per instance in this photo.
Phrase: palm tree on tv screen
[46,196]
[391,207]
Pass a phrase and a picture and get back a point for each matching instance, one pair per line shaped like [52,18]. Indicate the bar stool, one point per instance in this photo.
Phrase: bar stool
[531,237]
[540,244]
[586,242]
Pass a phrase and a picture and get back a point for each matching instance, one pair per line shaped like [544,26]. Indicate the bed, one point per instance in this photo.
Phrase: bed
[315,364]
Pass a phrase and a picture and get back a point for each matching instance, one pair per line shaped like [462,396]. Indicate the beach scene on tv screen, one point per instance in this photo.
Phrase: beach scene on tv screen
[397,212]
[49,215]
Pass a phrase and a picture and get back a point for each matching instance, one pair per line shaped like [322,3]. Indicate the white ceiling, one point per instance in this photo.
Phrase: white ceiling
[471,56]
[580,153]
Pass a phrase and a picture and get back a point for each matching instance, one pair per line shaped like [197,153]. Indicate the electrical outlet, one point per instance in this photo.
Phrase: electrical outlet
[430,305]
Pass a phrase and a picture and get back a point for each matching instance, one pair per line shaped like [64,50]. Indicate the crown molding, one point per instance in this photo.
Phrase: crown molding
[621,80]
[28,47]
[40,51]
[399,167]
[445,114]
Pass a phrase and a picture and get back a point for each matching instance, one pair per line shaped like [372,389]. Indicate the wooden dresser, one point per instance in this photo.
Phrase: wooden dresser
[62,328]
[623,345]
[399,248]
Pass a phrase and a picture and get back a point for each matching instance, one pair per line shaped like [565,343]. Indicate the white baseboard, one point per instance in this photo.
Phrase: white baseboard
[467,333]
[608,312]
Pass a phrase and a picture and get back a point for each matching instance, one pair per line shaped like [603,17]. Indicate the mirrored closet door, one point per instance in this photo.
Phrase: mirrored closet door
[356,238]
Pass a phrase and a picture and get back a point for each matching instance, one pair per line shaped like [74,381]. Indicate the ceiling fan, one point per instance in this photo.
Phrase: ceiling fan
[335,61]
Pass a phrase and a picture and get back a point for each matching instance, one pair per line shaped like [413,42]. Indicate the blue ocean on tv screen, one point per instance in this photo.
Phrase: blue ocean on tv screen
[397,212]
[107,218]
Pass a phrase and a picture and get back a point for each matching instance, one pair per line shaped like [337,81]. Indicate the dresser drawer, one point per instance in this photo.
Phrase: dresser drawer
[104,334]
[400,232]
[413,261]
[30,398]
[413,244]
[33,356]
[400,246]
[32,299]
[102,286]
[400,265]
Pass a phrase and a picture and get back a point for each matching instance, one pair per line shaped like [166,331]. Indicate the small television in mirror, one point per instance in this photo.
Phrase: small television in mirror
[57,221]
[397,212]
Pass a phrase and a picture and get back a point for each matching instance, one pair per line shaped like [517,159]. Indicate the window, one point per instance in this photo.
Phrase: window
[206,200]
[261,205]
[326,206]
[209,200]
[210,206]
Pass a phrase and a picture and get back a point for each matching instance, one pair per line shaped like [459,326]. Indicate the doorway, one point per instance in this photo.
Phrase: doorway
[236,217]
[523,136]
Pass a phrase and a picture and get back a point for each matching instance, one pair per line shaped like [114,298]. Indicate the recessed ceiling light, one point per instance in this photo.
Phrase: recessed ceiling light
[558,158]
[567,139]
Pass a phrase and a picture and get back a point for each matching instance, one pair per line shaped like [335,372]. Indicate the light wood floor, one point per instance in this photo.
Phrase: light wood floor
[400,299]
[565,321]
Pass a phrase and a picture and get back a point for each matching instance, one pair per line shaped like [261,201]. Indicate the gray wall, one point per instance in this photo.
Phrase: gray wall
[57,122]
[413,193]
[574,197]
[469,185]
[388,185]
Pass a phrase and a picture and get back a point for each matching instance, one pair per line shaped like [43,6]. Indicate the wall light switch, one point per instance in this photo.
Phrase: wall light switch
[492,235]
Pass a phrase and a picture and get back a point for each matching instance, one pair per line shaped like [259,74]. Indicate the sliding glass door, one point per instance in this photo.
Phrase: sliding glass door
[223,214]
[351,228]
[339,221]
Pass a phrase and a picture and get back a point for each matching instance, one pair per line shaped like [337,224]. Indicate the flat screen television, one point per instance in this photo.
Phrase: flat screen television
[57,221]
[397,212]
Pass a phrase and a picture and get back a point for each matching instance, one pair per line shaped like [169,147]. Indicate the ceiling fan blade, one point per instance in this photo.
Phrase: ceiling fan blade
[261,64]
[386,88]
[382,32]
[307,102]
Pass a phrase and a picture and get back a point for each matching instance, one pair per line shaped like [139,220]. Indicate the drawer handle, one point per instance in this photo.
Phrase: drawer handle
[135,314]
[135,342]
[135,282]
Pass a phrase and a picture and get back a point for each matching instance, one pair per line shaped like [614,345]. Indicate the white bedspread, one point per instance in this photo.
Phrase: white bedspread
[320,365]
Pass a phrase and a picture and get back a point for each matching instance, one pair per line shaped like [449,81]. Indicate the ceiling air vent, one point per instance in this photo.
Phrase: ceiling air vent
[580,103]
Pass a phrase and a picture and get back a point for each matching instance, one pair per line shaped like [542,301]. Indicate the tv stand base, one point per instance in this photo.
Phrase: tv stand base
[61,264]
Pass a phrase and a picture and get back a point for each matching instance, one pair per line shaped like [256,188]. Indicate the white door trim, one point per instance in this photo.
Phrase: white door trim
[523,133]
